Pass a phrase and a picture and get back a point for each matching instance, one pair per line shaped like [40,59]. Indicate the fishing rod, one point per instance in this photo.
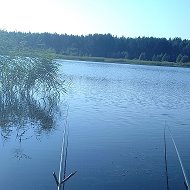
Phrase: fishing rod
[60,181]
[186,182]
[66,150]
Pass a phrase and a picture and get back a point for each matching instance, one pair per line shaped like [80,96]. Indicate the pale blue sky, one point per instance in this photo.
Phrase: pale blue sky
[130,18]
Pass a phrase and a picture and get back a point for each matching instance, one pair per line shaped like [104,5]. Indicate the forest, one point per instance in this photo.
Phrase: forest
[98,45]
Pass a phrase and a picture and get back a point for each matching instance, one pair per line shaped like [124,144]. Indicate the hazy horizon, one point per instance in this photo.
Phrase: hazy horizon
[168,19]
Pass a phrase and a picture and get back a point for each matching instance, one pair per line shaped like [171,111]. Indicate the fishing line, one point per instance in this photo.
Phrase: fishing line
[186,182]
[165,158]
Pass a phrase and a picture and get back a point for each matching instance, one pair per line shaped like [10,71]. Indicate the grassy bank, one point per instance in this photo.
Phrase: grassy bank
[52,55]
[123,61]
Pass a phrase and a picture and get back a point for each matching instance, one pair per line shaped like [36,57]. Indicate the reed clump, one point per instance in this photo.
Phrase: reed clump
[24,77]
[30,89]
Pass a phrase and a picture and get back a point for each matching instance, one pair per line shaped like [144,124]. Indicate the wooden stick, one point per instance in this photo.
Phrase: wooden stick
[69,176]
[66,150]
[56,180]
[61,161]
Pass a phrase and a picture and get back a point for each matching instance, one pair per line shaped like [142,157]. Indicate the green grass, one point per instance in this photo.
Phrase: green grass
[122,61]
[50,54]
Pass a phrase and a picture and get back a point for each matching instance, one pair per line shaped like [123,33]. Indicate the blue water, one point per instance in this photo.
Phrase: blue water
[116,116]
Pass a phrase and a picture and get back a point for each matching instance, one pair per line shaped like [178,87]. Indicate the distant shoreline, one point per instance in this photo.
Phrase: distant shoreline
[99,48]
[123,61]
[52,55]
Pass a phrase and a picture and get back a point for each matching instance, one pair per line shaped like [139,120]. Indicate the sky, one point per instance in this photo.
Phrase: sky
[129,18]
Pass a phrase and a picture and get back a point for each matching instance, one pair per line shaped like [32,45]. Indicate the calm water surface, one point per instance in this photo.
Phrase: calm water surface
[116,116]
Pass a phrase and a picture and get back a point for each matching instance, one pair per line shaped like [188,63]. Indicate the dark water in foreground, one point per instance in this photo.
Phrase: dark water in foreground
[116,117]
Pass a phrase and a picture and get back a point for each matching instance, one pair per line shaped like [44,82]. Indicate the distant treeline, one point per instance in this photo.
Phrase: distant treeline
[98,45]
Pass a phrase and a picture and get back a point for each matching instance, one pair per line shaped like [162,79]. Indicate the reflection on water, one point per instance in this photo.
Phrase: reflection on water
[29,92]
[116,120]
[19,154]
[117,117]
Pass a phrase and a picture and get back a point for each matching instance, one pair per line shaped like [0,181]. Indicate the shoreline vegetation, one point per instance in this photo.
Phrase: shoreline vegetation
[52,56]
[30,91]
[97,48]
[124,61]
[49,55]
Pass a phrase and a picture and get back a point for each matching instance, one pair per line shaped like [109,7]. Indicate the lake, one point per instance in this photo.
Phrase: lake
[115,116]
